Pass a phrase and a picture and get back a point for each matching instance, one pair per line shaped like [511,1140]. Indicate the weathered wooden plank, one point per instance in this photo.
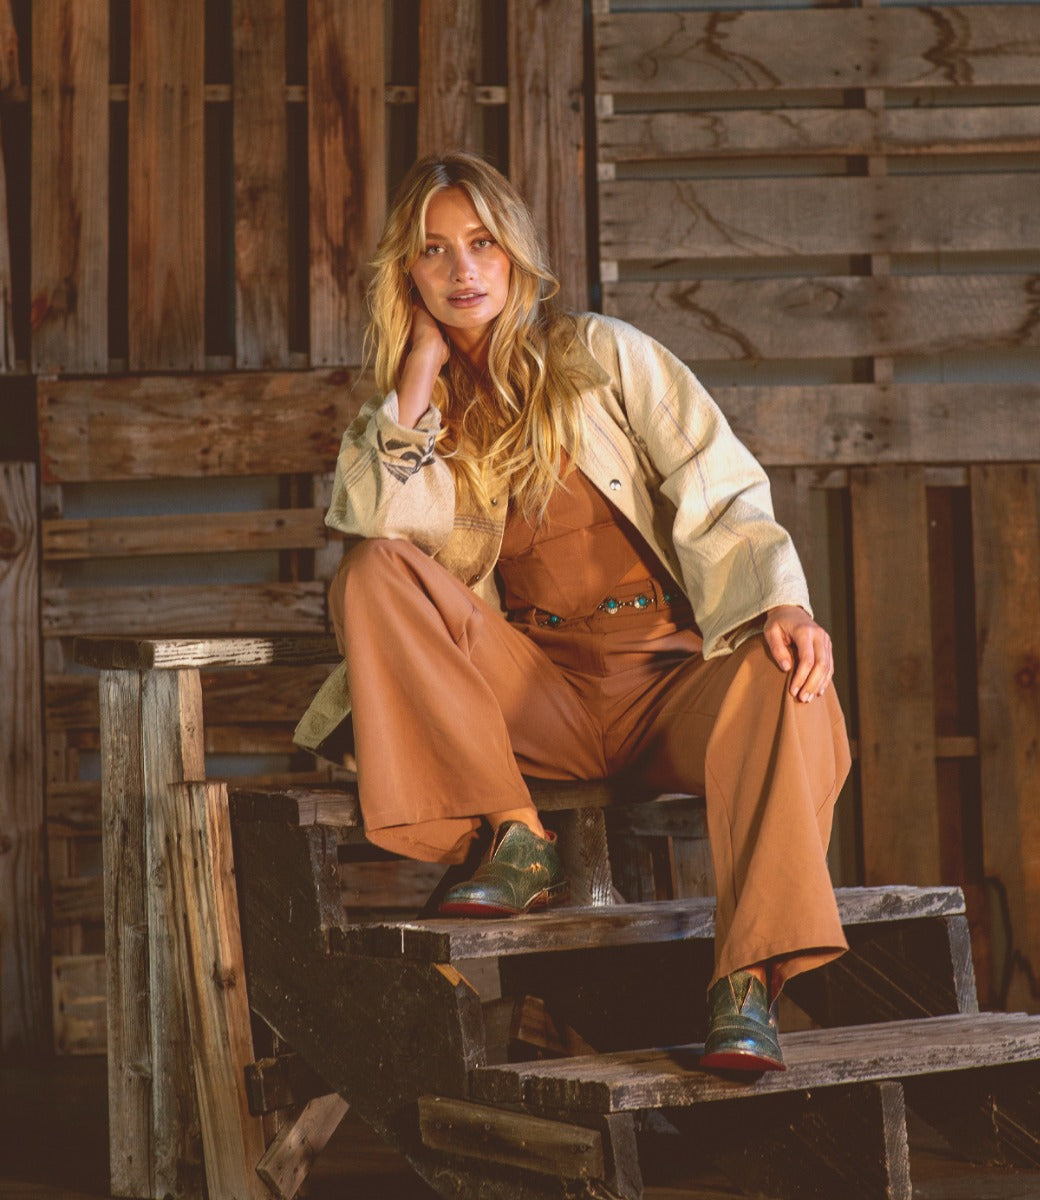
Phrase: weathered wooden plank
[261,190]
[217,608]
[960,129]
[584,856]
[166,245]
[209,965]
[1006,547]
[7,349]
[884,423]
[347,180]
[130,1061]
[772,50]
[23,1017]
[547,131]
[442,940]
[78,998]
[815,1059]
[70,186]
[171,750]
[832,317]
[147,427]
[203,533]
[478,1131]
[793,216]
[9,70]
[174,653]
[335,806]
[76,900]
[896,702]
[289,1158]
[449,57]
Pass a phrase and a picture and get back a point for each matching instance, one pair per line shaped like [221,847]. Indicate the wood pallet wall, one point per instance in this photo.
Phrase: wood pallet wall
[831,213]
[207,182]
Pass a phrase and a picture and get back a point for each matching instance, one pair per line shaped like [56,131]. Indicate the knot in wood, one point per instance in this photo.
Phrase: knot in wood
[224,979]
[10,542]
[6,844]
[1026,675]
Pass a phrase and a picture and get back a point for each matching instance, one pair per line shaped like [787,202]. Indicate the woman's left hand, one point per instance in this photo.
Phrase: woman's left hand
[795,640]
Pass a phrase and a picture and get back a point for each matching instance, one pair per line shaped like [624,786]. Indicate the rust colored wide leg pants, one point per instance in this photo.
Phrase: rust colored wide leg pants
[452,705]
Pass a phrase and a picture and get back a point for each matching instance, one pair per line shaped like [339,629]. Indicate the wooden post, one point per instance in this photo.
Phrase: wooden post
[70,186]
[22,991]
[894,676]
[547,131]
[8,80]
[449,50]
[1006,537]
[153,721]
[261,193]
[167,251]
[346,118]
[207,949]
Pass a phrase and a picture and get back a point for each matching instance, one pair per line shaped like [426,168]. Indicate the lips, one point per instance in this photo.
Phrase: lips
[466,299]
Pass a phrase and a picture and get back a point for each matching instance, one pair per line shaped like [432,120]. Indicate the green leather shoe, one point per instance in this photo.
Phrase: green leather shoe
[742,1033]
[522,873]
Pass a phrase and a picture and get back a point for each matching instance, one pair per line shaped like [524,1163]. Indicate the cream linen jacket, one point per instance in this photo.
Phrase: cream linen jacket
[658,448]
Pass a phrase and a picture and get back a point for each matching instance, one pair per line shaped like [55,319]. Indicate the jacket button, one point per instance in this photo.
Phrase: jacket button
[615,485]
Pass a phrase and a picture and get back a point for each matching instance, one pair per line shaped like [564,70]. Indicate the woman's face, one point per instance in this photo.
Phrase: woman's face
[463,273]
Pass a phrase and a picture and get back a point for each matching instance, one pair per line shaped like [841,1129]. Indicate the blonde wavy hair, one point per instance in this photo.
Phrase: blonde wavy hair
[510,424]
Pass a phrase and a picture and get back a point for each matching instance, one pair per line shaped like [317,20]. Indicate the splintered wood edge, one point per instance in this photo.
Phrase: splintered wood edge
[145,654]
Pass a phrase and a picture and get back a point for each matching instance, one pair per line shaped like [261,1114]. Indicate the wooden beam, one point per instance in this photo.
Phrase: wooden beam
[775,50]
[70,168]
[555,1148]
[724,132]
[894,677]
[449,57]
[167,249]
[187,609]
[23,1024]
[176,653]
[9,85]
[831,316]
[208,963]
[547,131]
[130,1063]
[163,427]
[261,185]
[288,1160]
[346,117]
[1006,541]
[790,216]
[202,533]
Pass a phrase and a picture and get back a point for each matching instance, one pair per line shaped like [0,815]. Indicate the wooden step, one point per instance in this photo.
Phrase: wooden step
[671,1078]
[453,939]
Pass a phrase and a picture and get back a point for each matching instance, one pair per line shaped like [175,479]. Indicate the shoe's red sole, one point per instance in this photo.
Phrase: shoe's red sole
[734,1060]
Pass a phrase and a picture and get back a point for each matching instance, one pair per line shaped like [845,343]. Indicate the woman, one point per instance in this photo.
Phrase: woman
[573,472]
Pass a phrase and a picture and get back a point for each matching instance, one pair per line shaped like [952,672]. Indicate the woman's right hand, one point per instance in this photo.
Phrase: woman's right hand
[427,338]
[428,351]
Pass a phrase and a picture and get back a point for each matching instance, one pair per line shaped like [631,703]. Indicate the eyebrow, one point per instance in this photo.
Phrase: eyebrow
[471,229]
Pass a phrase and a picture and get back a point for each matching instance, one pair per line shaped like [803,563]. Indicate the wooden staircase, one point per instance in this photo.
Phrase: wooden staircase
[387,1015]
[543,1057]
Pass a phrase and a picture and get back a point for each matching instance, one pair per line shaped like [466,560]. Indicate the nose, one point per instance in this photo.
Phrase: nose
[463,265]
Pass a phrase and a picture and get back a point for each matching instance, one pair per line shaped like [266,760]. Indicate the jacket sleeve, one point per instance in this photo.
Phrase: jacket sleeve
[389,480]
[736,560]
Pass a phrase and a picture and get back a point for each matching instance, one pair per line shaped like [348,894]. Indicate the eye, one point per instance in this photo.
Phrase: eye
[430,251]
[482,243]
